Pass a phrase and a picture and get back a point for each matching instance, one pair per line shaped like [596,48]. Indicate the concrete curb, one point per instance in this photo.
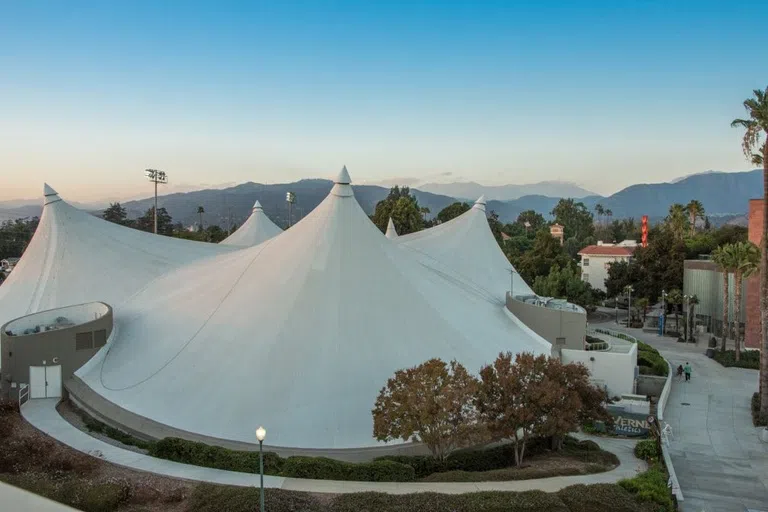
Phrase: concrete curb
[673,482]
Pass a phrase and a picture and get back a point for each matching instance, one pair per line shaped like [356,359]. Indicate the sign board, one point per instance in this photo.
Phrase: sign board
[627,424]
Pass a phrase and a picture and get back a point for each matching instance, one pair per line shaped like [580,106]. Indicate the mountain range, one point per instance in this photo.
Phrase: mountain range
[472,190]
[725,196]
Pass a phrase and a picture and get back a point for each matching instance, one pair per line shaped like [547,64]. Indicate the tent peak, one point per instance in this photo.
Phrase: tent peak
[391,231]
[51,196]
[343,177]
[257,206]
[480,203]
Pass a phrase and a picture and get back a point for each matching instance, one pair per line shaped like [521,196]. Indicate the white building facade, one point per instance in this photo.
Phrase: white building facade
[596,259]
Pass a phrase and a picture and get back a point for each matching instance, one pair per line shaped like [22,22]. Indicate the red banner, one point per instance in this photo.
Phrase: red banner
[644,231]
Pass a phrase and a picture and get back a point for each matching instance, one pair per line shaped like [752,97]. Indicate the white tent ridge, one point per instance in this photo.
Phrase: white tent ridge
[298,333]
[255,230]
[75,257]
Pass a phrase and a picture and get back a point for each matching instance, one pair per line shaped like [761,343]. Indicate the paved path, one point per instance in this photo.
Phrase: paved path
[42,414]
[720,462]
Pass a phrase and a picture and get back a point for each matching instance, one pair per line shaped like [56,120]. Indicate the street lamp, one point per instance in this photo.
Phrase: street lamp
[685,308]
[290,198]
[663,313]
[629,291]
[156,177]
[261,434]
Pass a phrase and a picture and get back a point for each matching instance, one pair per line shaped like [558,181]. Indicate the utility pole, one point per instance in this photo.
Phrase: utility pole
[290,198]
[156,177]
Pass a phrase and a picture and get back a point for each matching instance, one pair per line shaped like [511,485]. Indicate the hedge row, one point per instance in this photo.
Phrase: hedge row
[650,361]
[577,498]
[651,487]
[321,468]
[201,454]
[749,359]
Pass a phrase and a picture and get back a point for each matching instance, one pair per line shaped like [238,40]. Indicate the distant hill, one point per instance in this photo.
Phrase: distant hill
[472,190]
[237,201]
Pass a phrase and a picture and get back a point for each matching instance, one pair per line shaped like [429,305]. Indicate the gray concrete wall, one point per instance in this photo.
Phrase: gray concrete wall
[650,385]
[551,324]
[49,348]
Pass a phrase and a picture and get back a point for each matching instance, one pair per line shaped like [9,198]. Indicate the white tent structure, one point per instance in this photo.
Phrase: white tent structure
[391,231]
[467,245]
[256,229]
[298,333]
[75,257]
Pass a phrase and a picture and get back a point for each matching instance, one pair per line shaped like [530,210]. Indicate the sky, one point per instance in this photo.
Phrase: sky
[603,94]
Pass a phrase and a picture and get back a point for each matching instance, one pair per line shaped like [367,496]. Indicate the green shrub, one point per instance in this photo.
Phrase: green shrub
[94,425]
[651,487]
[598,498]
[647,450]
[592,339]
[749,359]
[322,468]
[201,454]
[529,501]
[588,445]
[757,419]
[218,498]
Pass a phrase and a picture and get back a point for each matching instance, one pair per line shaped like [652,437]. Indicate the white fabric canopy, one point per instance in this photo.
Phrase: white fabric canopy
[75,257]
[298,334]
[467,245]
[256,229]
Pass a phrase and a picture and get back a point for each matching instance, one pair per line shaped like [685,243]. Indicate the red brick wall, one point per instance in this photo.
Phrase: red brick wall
[752,335]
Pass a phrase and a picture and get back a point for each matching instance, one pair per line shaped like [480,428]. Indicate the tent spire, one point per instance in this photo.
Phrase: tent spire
[391,231]
[51,196]
[257,206]
[342,187]
[343,177]
[480,203]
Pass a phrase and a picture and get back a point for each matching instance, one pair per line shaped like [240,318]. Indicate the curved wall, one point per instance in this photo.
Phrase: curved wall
[70,346]
[561,327]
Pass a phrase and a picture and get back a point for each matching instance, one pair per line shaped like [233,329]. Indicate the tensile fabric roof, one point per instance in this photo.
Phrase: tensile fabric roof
[256,229]
[298,333]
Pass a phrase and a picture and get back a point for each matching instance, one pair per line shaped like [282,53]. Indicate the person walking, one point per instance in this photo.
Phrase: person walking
[687,370]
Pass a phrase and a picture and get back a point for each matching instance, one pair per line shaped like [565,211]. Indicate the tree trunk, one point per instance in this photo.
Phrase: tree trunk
[737,314]
[764,290]
[725,311]
[693,223]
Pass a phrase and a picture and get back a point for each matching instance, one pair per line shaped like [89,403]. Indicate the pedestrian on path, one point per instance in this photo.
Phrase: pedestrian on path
[687,370]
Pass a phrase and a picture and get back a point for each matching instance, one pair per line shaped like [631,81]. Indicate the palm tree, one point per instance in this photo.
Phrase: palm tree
[695,210]
[201,211]
[745,257]
[677,220]
[599,210]
[609,214]
[675,298]
[755,126]
[722,257]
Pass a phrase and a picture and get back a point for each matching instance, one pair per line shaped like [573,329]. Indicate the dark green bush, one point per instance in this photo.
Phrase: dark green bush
[529,501]
[423,465]
[648,450]
[322,468]
[588,445]
[592,339]
[217,498]
[749,359]
[598,498]
[651,487]
[201,454]
[757,419]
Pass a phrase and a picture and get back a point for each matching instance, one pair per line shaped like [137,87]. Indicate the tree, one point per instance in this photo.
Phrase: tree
[531,221]
[452,211]
[538,261]
[575,217]
[723,260]
[609,214]
[745,257]
[566,283]
[641,307]
[695,210]
[496,227]
[599,210]
[674,299]
[432,403]
[404,210]
[115,213]
[164,221]
[677,220]
[200,212]
[755,127]
[693,301]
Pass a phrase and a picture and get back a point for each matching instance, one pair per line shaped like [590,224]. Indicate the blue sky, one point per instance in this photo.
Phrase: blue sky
[604,94]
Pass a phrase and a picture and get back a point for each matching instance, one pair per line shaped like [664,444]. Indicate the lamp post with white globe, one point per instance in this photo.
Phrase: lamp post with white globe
[261,434]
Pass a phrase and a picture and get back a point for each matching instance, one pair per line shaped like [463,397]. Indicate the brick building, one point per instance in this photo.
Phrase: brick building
[752,330]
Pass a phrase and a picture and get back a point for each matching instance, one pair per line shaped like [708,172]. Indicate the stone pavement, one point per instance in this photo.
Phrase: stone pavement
[42,414]
[721,464]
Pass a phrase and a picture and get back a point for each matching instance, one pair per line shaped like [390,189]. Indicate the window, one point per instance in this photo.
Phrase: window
[584,262]
[83,340]
[585,277]
[99,338]
[559,341]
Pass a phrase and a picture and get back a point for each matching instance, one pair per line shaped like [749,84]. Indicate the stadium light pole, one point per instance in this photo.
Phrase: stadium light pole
[156,177]
[261,434]
[629,291]
[290,198]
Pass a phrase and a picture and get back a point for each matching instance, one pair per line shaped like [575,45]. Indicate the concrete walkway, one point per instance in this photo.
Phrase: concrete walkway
[42,414]
[721,464]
